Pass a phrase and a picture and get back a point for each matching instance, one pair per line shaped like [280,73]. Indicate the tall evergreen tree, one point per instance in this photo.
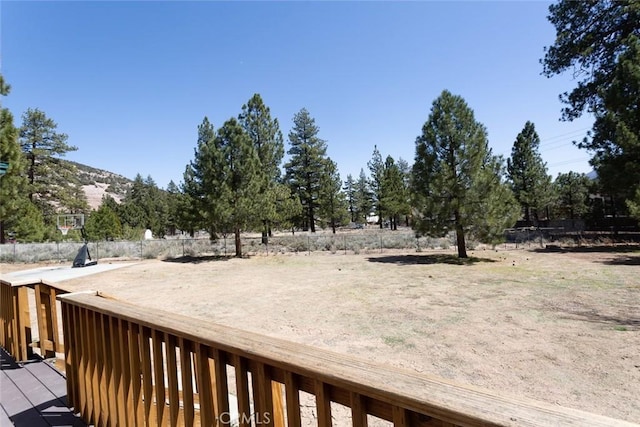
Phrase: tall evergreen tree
[225,180]
[395,192]
[52,182]
[240,177]
[267,140]
[306,166]
[174,201]
[13,185]
[200,184]
[528,174]
[376,168]
[457,183]
[405,170]
[599,42]
[333,204]
[363,200]
[350,192]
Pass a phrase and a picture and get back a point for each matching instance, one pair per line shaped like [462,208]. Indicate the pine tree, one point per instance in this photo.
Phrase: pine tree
[200,184]
[174,202]
[103,223]
[457,183]
[267,140]
[30,227]
[599,42]
[376,167]
[394,192]
[224,180]
[528,174]
[350,192]
[333,204]
[145,207]
[305,168]
[405,170]
[288,207]
[572,189]
[52,182]
[363,200]
[13,183]
[238,173]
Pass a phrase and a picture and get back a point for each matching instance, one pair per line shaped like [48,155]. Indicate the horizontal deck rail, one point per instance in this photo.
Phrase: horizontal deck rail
[131,365]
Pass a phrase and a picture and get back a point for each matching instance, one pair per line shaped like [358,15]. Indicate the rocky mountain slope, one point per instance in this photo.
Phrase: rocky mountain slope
[97,182]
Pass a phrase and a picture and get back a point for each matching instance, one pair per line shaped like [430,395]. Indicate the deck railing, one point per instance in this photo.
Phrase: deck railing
[131,366]
[15,319]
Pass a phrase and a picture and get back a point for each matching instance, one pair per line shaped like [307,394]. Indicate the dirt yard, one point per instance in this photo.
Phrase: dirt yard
[561,327]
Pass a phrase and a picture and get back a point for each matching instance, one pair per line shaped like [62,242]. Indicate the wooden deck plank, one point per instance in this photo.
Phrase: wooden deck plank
[33,394]
[53,380]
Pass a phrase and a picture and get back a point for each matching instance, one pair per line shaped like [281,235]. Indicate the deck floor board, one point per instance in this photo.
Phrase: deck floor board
[33,394]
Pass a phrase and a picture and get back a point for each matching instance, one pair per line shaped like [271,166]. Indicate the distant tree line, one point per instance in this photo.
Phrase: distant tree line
[238,179]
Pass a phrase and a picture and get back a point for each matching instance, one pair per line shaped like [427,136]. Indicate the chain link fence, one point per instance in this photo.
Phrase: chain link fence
[369,241]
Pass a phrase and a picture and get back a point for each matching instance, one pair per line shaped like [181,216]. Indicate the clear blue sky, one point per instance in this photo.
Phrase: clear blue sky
[129,82]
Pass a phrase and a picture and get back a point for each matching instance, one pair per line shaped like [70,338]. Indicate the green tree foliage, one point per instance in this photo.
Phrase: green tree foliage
[288,207]
[174,205]
[395,194]
[224,180]
[239,176]
[103,223]
[30,226]
[528,174]
[13,183]
[363,200]
[145,207]
[53,183]
[457,183]
[599,42]
[634,205]
[572,189]
[376,168]
[350,194]
[199,208]
[306,166]
[333,203]
[405,170]
[267,141]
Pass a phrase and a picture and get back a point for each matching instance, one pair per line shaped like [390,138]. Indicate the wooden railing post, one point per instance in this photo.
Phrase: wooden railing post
[15,320]
[22,324]
[47,317]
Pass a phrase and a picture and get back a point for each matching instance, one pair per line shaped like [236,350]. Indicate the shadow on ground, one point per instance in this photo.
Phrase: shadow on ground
[621,323]
[428,259]
[631,259]
[197,259]
[590,249]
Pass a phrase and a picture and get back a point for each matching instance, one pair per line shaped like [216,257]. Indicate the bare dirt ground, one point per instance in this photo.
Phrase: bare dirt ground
[561,327]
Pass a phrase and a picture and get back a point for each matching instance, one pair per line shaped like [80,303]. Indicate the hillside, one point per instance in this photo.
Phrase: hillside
[97,182]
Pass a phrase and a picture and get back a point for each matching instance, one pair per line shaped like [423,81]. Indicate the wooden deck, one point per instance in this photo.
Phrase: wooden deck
[33,394]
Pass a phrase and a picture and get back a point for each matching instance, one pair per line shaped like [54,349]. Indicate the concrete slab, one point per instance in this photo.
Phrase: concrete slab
[57,274]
